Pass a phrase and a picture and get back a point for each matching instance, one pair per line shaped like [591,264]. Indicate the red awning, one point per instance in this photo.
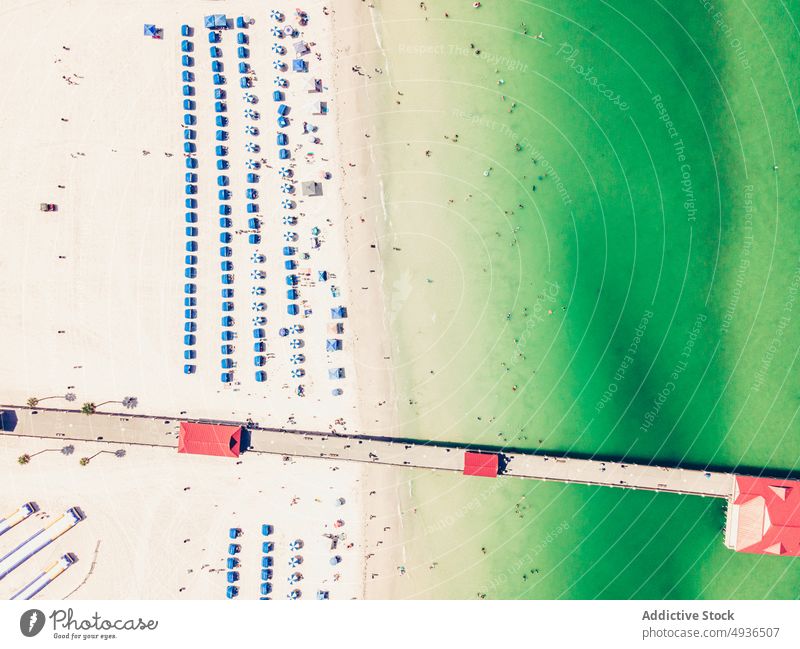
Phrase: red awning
[209,439]
[480,464]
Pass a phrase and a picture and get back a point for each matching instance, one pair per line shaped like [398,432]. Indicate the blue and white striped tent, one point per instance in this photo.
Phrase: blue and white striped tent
[216,21]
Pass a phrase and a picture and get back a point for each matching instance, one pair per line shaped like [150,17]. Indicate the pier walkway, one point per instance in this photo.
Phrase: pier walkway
[162,431]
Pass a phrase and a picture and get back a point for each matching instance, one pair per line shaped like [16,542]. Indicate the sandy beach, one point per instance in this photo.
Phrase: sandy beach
[99,289]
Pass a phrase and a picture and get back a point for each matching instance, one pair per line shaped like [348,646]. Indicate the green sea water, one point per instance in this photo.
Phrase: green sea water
[591,249]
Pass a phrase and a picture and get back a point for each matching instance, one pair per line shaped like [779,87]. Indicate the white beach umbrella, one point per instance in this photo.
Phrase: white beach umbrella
[280,82]
[278,64]
[290,236]
[278,48]
[287,204]
[295,343]
[258,290]
[296,359]
[286,188]
[296,329]
[258,306]
[251,147]
[250,130]
[297,374]
[251,164]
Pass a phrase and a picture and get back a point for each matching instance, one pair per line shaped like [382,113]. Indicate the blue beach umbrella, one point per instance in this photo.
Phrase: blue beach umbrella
[259,320]
[258,290]
[250,113]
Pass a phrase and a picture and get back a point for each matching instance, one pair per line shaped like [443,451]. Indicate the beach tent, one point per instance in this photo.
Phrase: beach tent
[336,373]
[150,30]
[481,464]
[216,21]
[209,439]
[338,312]
[299,65]
[333,345]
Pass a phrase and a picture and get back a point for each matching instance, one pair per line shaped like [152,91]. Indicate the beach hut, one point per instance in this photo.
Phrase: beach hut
[231,592]
[225,251]
[259,361]
[189,369]
[221,120]
[240,22]
[244,68]
[187,62]
[227,321]
[227,279]
[189,354]
[292,280]
[259,347]
[252,208]
[301,48]
[191,189]
[216,21]
[311,188]
[225,237]
[191,203]
[333,345]
[191,217]
[221,150]
[227,336]
[189,301]
[254,239]
[290,264]
[227,293]
[250,193]
[222,164]
[299,65]
[224,194]
[292,309]
[189,104]
[336,373]
[288,251]
[220,107]
[226,363]
[226,377]
[190,327]
[226,266]
[189,340]
[186,46]
[190,177]
[225,222]
[190,272]
[191,232]
[190,260]
[188,91]
[253,224]
[258,334]
[189,119]
[222,181]
[224,209]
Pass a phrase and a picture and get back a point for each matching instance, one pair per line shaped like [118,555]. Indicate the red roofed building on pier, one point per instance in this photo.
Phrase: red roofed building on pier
[209,439]
[481,464]
[764,516]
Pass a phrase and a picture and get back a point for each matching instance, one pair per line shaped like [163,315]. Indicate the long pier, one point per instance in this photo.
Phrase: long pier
[119,428]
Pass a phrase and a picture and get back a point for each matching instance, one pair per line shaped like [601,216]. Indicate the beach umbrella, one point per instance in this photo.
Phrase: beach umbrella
[289,220]
[295,561]
[251,164]
[335,560]
[315,231]
[296,329]
[285,172]
[283,331]
[290,236]
[251,147]
[257,274]
[295,594]
[289,30]
[279,81]
[258,258]
[296,359]
[287,204]
[276,15]
[298,373]
[258,306]
[258,290]
[286,188]
[250,130]
[276,31]
[278,64]
[296,545]
[294,577]
[278,48]
[295,343]
[249,97]
[339,523]
[339,502]
[259,320]
[249,113]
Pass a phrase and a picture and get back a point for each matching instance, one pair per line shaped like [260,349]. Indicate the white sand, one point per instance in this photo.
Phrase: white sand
[138,515]
[106,320]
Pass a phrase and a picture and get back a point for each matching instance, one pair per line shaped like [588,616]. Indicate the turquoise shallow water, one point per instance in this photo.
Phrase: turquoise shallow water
[640,302]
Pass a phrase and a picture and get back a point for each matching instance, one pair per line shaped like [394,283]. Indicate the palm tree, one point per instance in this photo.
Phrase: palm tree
[88,408]
[24,459]
[33,402]
[85,460]
[118,453]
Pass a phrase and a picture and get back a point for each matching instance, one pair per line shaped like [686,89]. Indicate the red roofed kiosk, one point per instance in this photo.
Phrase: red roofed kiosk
[481,464]
[209,439]
[764,516]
